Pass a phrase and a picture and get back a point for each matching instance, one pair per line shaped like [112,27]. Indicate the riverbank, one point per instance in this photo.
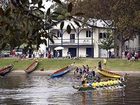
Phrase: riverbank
[56,64]
[49,72]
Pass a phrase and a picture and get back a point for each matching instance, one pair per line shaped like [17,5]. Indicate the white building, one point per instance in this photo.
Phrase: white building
[133,44]
[84,42]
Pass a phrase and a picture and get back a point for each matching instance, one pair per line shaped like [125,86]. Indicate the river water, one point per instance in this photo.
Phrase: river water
[40,90]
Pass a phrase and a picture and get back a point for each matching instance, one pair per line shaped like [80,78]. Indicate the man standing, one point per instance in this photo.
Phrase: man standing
[58,54]
[99,65]
[104,62]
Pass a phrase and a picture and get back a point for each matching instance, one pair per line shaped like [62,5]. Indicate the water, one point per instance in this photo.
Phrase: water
[40,90]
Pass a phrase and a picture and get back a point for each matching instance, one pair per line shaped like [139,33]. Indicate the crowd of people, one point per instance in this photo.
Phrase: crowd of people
[85,74]
[131,55]
[89,77]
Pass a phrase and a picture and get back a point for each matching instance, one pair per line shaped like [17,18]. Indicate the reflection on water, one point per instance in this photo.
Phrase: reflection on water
[40,90]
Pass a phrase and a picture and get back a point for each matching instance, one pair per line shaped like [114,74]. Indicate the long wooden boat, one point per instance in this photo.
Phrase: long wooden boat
[109,74]
[6,70]
[100,85]
[61,72]
[31,67]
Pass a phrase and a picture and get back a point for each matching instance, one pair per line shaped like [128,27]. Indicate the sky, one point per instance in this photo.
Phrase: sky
[47,4]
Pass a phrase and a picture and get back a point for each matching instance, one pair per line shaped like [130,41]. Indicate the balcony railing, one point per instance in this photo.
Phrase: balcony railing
[72,42]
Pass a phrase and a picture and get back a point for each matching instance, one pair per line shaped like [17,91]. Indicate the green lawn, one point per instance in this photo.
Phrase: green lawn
[54,64]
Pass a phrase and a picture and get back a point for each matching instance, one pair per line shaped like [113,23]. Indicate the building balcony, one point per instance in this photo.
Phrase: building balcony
[72,42]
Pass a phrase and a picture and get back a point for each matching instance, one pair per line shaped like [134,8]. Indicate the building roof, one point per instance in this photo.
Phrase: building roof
[90,23]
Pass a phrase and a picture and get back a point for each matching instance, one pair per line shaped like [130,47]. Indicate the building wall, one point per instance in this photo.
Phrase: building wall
[84,42]
[96,39]
[64,53]
[133,44]
[82,52]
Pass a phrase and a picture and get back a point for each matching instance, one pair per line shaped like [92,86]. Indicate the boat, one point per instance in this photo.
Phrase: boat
[61,72]
[100,85]
[109,74]
[31,67]
[6,70]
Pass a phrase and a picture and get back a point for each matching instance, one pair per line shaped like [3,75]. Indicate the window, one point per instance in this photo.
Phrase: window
[100,36]
[72,38]
[103,35]
[88,33]
[59,34]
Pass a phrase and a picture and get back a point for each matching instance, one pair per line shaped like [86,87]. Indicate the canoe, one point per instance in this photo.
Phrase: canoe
[31,67]
[109,74]
[100,85]
[6,70]
[61,72]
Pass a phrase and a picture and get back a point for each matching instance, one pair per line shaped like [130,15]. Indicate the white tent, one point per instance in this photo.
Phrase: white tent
[59,48]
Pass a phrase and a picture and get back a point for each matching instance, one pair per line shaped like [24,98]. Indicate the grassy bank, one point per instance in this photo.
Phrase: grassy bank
[54,64]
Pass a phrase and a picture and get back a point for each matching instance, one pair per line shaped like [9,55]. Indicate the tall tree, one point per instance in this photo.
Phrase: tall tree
[24,22]
[125,16]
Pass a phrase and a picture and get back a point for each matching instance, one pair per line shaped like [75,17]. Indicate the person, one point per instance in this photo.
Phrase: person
[109,54]
[49,54]
[87,67]
[99,65]
[91,76]
[104,62]
[58,54]
[123,54]
[13,52]
[84,82]
[136,56]
[76,70]
[80,71]
[93,73]
[129,56]
[69,55]
[30,53]
[98,79]
[84,69]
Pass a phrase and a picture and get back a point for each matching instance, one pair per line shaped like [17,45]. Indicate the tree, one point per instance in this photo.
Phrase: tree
[124,15]
[19,23]
[25,22]
[107,43]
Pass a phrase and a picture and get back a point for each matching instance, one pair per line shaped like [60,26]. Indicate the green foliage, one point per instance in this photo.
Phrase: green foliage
[123,13]
[64,12]
[70,7]
[68,29]
[61,25]
[23,22]
[107,43]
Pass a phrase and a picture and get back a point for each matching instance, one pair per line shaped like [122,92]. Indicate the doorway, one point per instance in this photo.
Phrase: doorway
[72,52]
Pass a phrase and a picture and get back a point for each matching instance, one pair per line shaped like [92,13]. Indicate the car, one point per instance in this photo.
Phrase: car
[4,54]
[18,51]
